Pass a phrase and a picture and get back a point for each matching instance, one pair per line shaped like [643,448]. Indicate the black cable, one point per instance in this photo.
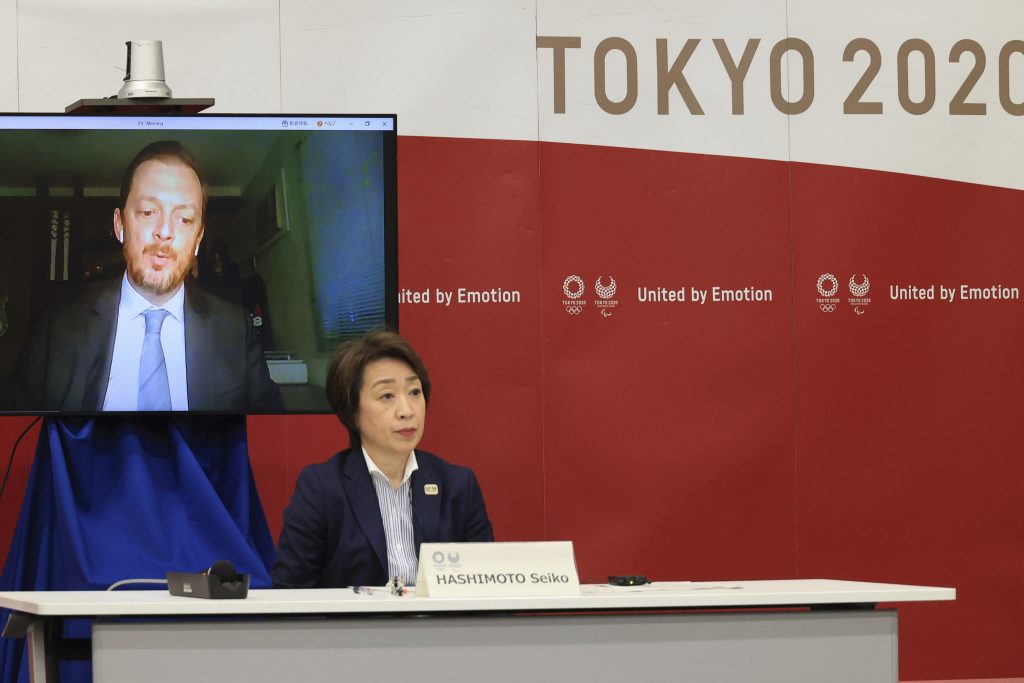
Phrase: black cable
[14,450]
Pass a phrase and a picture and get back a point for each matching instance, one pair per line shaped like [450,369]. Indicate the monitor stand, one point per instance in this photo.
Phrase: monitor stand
[140,105]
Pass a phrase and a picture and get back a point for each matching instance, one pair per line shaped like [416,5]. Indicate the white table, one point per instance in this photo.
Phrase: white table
[800,630]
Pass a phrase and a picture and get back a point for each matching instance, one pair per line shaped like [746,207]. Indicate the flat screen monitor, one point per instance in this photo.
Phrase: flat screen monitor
[199,263]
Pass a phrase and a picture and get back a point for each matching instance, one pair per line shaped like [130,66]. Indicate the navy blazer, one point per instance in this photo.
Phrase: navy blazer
[333,534]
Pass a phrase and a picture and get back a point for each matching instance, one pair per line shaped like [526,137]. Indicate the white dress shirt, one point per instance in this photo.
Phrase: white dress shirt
[396,512]
[123,386]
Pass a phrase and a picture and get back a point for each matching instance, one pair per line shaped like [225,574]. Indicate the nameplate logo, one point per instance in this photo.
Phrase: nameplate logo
[454,570]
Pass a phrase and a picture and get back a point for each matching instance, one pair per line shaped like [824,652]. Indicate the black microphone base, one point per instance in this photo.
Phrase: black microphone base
[197,585]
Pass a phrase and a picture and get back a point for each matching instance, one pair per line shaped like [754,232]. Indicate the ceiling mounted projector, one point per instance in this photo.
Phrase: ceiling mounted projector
[144,73]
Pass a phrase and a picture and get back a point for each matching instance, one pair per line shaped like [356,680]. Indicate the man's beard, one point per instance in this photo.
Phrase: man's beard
[159,282]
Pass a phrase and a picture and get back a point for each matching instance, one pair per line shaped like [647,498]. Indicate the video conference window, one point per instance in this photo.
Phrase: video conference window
[203,264]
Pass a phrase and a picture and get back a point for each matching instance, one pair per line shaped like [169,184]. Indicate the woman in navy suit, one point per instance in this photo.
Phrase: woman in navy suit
[359,518]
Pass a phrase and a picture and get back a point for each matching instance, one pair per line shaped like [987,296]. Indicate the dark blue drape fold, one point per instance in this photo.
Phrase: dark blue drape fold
[112,499]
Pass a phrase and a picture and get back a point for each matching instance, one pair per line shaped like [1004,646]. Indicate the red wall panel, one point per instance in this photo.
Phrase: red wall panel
[668,425]
[10,505]
[908,430]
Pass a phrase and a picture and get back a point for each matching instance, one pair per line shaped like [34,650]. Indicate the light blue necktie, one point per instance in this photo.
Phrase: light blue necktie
[154,392]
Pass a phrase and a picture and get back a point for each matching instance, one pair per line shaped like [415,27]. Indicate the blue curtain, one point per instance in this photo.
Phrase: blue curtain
[111,499]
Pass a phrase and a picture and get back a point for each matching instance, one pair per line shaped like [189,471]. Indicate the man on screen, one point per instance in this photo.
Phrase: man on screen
[151,340]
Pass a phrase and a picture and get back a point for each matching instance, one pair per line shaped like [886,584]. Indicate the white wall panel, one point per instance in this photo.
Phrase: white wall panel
[8,55]
[464,68]
[760,131]
[461,68]
[975,148]
[227,49]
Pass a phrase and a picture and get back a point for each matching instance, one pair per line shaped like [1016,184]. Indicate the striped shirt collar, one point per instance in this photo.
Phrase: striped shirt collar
[410,466]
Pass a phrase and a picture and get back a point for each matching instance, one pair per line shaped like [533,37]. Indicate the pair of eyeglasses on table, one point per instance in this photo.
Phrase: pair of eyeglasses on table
[395,587]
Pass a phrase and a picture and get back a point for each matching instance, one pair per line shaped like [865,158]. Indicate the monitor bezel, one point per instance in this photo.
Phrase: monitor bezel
[390,187]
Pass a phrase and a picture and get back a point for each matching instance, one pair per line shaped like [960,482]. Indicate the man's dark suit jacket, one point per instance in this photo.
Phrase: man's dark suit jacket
[333,534]
[66,366]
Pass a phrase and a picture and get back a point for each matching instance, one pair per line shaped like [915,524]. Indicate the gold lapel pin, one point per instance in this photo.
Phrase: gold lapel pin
[430,489]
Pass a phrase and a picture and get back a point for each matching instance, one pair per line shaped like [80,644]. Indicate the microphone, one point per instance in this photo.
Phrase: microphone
[224,570]
[220,581]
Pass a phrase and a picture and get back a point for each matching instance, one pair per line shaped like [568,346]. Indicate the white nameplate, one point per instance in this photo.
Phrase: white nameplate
[454,570]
